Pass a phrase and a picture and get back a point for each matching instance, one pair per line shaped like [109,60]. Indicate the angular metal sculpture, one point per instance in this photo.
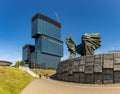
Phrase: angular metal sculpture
[90,42]
[71,46]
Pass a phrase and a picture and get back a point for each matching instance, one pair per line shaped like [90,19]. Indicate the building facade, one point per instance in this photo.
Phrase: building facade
[48,45]
[27,56]
[5,63]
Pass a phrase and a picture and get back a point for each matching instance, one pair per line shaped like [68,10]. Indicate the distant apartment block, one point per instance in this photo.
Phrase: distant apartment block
[48,48]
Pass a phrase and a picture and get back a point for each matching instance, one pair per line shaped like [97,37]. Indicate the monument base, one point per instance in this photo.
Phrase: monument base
[91,69]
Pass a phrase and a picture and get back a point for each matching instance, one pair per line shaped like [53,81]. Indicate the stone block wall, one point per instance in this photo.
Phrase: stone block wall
[91,69]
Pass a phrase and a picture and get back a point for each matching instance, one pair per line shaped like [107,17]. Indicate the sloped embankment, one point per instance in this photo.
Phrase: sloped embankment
[13,80]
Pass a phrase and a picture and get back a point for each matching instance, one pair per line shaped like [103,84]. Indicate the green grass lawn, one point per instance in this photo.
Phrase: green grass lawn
[13,80]
[43,72]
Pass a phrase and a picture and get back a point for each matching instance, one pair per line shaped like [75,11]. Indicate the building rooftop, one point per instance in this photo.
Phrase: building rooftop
[41,16]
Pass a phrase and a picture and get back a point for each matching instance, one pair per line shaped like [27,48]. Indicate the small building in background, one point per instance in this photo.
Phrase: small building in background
[48,48]
[28,50]
[5,63]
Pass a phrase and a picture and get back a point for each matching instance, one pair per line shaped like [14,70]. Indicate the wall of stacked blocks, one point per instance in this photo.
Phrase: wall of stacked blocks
[91,69]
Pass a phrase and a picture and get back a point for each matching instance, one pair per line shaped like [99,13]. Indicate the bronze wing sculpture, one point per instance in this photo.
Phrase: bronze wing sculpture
[90,42]
[71,46]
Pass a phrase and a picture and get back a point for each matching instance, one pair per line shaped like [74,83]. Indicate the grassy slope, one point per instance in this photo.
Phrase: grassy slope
[13,80]
[43,72]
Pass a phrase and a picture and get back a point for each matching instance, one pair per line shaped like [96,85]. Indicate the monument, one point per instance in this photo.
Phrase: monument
[89,68]
[71,46]
[90,42]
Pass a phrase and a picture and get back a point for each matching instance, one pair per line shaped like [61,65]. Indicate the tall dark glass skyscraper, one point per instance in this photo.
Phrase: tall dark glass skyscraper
[48,44]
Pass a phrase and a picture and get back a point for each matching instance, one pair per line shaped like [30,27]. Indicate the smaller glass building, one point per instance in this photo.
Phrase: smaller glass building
[28,51]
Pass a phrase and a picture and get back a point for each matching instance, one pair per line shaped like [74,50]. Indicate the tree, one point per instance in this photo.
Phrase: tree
[19,63]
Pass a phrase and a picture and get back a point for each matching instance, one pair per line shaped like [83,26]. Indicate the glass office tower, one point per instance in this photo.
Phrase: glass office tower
[48,44]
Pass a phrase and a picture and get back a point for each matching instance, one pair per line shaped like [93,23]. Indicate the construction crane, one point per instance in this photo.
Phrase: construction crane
[57,17]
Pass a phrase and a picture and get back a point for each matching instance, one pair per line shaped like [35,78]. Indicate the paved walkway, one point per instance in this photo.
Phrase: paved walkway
[48,86]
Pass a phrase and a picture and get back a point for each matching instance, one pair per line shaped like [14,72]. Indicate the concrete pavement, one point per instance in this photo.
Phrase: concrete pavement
[48,86]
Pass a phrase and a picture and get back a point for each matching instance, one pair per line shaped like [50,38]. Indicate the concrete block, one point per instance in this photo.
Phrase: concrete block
[70,62]
[107,77]
[116,74]
[82,62]
[98,65]
[116,67]
[62,63]
[59,76]
[108,63]
[99,56]
[116,60]
[89,63]
[70,67]
[90,56]
[108,56]
[116,80]
[65,76]
[63,70]
[81,80]
[107,71]
[76,77]
[66,69]
[116,55]
[70,71]
[89,78]
[59,70]
[98,60]
[76,62]
[90,59]
[81,77]
[76,80]
[82,68]
[70,78]
[98,78]
[83,57]
[88,69]
[107,81]
[76,68]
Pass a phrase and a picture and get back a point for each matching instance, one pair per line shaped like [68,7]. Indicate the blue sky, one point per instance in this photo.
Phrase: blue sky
[76,16]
